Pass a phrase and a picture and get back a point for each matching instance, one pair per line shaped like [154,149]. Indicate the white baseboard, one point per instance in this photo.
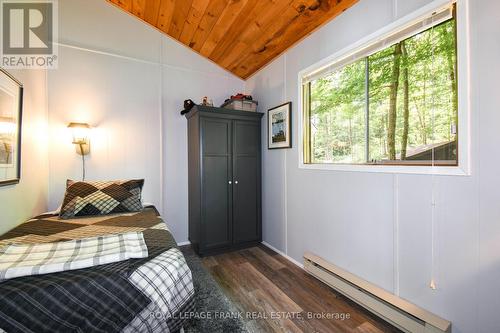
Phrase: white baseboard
[293,261]
[184,243]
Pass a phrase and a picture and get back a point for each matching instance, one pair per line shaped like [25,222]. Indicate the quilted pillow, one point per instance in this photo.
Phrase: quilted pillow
[101,198]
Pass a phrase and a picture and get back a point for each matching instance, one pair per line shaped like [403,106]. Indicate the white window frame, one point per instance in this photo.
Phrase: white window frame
[464,102]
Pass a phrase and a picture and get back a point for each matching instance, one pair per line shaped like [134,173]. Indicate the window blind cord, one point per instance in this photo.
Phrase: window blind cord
[432,283]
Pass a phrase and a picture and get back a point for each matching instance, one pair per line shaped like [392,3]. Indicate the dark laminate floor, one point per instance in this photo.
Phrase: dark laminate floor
[281,295]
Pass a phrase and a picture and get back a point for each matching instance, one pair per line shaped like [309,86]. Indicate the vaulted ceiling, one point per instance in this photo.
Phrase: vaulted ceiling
[241,36]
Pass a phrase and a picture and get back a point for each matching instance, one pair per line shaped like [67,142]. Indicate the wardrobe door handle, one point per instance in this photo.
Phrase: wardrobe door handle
[230,182]
[236,182]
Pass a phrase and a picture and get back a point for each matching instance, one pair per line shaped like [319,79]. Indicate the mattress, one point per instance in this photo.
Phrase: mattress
[152,294]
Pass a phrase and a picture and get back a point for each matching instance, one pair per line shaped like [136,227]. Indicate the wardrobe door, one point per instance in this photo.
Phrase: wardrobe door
[216,183]
[247,186]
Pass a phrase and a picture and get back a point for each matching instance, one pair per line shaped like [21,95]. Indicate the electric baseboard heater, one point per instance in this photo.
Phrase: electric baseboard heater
[400,313]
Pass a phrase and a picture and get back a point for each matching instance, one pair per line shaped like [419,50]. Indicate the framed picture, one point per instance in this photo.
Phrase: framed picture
[279,128]
[11,108]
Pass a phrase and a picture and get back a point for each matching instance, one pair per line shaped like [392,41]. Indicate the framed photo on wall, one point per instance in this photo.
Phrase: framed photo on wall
[11,109]
[279,128]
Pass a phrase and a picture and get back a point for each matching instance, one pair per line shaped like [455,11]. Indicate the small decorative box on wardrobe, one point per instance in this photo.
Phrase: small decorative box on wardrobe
[224,179]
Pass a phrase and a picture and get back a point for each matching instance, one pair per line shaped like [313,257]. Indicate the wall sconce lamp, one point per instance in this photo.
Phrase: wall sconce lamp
[81,140]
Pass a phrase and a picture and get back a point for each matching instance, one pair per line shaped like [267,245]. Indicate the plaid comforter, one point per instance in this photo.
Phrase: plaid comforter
[18,260]
[136,295]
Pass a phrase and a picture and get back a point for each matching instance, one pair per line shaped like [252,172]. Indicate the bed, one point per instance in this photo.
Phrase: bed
[153,294]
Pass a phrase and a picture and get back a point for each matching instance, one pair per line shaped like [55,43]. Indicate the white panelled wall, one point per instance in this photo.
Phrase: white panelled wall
[397,231]
[128,81]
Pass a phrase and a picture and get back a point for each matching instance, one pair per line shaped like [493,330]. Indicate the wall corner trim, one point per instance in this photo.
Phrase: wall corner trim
[293,261]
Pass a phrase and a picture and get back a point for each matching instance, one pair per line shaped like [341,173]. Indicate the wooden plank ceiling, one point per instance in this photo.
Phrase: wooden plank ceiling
[241,36]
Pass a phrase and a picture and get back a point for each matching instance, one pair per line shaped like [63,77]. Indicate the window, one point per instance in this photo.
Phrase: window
[393,102]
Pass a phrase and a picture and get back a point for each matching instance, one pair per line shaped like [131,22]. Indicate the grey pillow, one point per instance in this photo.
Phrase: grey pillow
[101,198]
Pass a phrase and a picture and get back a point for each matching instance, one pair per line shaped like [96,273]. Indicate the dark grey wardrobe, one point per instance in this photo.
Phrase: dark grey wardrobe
[224,152]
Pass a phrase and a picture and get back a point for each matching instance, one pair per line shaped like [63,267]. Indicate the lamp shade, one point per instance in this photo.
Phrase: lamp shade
[80,132]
